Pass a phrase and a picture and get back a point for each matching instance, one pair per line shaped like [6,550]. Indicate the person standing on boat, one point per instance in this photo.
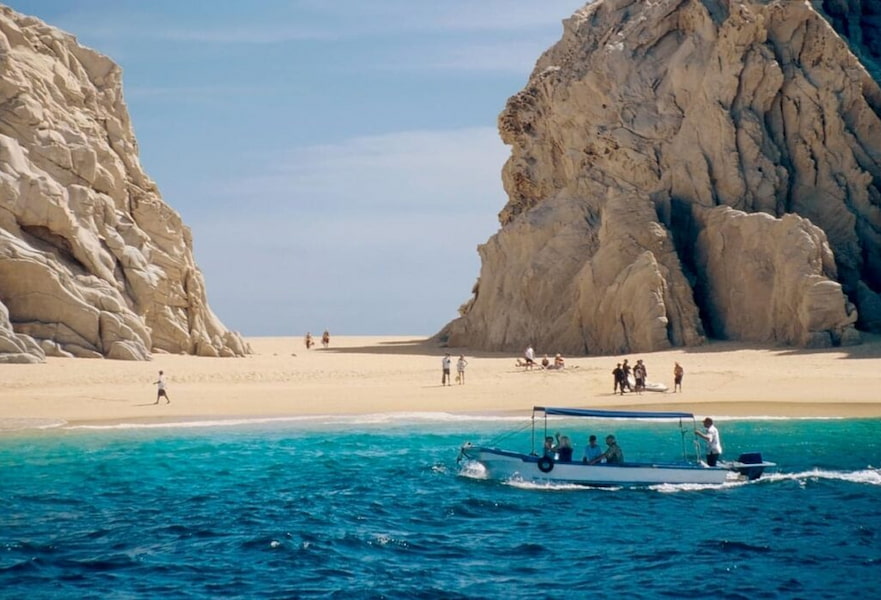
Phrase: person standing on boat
[592,451]
[714,444]
[445,366]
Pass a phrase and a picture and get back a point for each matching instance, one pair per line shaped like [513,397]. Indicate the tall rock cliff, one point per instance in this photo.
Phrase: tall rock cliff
[685,168]
[92,262]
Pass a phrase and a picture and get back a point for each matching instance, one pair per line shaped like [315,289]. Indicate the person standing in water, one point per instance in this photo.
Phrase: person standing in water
[161,392]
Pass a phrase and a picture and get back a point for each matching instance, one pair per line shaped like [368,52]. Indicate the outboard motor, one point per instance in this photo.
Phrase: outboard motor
[751,458]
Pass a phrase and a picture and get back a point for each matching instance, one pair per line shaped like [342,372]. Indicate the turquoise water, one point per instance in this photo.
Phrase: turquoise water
[380,508]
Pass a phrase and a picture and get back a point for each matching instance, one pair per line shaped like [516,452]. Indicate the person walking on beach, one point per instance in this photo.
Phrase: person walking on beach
[308,340]
[714,444]
[445,365]
[678,372]
[161,392]
[460,369]
[325,339]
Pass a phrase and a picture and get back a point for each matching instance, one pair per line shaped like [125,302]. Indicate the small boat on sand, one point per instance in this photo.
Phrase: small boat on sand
[505,465]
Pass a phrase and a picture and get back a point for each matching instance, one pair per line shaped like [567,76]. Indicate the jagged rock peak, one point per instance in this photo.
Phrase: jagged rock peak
[92,262]
[684,168]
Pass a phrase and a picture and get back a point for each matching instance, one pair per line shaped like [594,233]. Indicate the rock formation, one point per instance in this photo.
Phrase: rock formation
[92,262]
[685,168]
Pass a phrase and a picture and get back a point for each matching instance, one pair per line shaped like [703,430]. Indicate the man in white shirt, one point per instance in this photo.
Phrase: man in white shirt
[714,444]
[160,390]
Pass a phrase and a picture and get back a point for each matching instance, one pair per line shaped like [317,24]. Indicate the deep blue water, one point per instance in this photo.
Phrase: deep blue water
[379,508]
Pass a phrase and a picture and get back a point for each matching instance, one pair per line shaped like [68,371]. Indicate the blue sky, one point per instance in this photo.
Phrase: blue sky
[337,161]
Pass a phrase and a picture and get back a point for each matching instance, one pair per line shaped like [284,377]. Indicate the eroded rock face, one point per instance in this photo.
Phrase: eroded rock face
[635,127]
[92,262]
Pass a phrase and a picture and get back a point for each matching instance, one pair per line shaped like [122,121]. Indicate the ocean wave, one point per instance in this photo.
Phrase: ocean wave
[370,419]
[26,424]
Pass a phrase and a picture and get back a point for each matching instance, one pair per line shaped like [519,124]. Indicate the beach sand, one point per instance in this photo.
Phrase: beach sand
[363,375]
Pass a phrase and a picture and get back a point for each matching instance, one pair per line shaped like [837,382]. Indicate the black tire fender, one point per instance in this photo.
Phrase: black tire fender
[545,464]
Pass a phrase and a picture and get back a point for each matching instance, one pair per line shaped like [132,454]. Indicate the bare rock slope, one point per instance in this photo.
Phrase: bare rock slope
[92,262]
[685,168]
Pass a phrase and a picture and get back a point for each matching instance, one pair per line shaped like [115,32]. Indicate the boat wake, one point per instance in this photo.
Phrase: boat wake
[868,476]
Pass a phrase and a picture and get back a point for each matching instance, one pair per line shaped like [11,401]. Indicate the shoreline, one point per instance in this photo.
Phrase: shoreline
[390,375]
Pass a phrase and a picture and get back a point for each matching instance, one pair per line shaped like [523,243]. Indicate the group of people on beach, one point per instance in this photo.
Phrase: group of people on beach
[623,374]
[325,339]
[528,360]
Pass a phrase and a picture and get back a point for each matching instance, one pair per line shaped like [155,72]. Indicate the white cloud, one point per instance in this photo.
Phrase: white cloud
[413,171]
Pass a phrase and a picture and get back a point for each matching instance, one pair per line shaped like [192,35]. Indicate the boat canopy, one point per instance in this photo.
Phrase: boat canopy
[611,414]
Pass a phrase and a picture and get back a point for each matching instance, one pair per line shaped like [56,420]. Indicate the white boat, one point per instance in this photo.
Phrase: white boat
[506,465]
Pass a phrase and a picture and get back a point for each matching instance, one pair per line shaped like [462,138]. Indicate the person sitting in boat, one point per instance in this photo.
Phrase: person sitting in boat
[613,454]
[592,451]
[549,449]
[563,448]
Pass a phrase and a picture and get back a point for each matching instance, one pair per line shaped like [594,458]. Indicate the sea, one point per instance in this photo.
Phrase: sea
[381,506]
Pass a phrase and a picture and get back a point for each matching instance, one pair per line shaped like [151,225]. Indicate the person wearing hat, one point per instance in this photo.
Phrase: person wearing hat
[559,363]
[714,444]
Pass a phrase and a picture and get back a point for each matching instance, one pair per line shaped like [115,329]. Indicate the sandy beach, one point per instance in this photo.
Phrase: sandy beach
[399,374]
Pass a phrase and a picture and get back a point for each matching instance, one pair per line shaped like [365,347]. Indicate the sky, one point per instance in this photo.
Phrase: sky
[338,162]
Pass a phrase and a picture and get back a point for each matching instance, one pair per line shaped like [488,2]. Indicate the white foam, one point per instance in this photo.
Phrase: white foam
[400,418]
[25,424]
[869,476]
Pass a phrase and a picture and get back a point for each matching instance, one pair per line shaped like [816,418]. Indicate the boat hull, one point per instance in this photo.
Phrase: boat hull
[504,465]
